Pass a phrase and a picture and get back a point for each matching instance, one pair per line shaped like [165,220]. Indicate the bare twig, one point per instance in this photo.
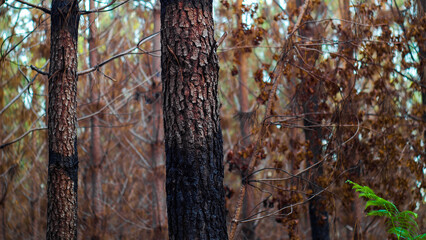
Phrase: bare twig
[20,93]
[38,70]
[46,10]
[221,39]
[103,9]
[128,51]
[22,136]
[2,57]
[288,46]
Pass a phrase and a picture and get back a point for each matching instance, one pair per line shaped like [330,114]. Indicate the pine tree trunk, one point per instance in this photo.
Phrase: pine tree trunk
[156,146]
[95,141]
[63,162]
[248,229]
[193,137]
[422,70]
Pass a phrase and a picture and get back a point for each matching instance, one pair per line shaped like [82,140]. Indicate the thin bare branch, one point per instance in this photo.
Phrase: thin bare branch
[38,70]
[46,10]
[128,51]
[20,93]
[103,9]
[22,136]
[288,46]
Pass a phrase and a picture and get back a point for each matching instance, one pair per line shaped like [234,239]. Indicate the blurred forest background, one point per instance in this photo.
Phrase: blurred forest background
[349,103]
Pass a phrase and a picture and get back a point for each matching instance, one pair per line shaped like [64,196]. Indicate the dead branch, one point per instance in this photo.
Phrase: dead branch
[288,45]
[128,51]
[46,10]
[22,91]
[103,9]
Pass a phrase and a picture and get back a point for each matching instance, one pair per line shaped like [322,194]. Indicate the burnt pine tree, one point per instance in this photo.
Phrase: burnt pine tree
[63,161]
[193,138]
[309,98]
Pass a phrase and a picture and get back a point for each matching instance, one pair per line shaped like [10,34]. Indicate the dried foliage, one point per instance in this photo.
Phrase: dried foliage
[356,73]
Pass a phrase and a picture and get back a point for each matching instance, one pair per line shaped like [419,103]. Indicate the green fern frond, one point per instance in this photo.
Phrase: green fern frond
[421,237]
[402,224]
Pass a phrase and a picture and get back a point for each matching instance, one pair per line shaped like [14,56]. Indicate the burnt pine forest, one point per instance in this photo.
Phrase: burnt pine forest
[224,119]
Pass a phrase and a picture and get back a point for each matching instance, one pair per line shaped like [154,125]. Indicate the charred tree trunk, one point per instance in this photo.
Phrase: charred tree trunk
[63,162]
[193,137]
[318,215]
[95,141]
[309,98]
[242,79]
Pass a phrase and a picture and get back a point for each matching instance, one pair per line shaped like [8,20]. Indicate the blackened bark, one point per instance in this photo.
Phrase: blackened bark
[63,162]
[318,215]
[193,137]
[309,97]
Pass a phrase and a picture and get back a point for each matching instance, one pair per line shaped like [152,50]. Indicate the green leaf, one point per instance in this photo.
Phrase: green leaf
[421,237]
[379,213]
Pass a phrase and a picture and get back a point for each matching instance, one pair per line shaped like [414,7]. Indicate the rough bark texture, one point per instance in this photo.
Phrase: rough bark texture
[309,98]
[194,154]
[95,135]
[63,161]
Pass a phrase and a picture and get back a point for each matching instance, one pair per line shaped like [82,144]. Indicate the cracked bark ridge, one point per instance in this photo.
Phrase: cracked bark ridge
[63,162]
[193,137]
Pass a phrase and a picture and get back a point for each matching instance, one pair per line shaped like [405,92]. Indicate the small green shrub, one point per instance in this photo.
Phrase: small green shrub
[402,224]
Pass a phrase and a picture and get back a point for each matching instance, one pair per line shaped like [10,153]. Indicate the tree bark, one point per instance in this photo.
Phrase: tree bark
[95,141]
[193,137]
[63,161]
[309,98]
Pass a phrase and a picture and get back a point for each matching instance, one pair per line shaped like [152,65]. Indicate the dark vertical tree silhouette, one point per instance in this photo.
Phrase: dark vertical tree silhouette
[193,138]
[349,108]
[63,161]
[242,76]
[309,97]
[422,67]
[95,135]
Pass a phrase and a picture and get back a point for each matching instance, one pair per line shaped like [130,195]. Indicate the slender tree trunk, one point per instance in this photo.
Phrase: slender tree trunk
[349,110]
[193,137]
[317,213]
[95,141]
[34,208]
[242,79]
[62,181]
[3,219]
[310,92]
[156,146]
[422,70]
[248,229]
